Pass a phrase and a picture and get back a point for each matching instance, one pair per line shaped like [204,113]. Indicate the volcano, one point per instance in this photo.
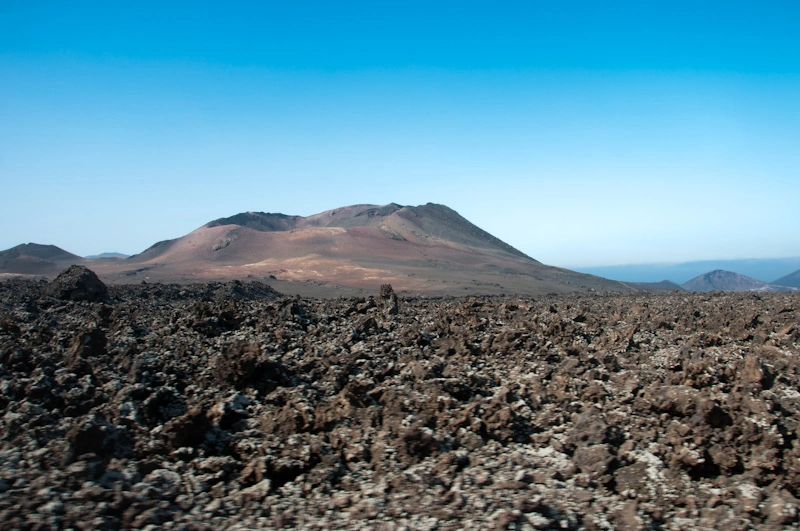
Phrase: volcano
[428,249]
[36,260]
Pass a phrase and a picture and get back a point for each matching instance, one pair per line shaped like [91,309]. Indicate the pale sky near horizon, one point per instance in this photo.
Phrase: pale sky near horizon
[581,133]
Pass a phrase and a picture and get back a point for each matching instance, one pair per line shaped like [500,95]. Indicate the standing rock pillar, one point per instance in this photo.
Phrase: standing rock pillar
[389,300]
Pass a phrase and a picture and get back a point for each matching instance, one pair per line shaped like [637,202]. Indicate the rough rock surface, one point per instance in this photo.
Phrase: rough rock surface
[78,283]
[389,299]
[228,407]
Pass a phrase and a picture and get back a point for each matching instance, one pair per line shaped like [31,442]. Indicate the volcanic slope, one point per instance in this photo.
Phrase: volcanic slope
[719,280]
[792,280]
[664,285]
[36,259]
[423,249]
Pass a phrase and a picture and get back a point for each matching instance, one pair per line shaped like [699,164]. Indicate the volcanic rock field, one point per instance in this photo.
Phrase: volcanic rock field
[230,406]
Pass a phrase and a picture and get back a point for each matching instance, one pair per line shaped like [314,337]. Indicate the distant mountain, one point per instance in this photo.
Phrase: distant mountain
[422,249]
[719,280]
[764,269]
[108,255]
[36,259]
[429,223]
[792,279]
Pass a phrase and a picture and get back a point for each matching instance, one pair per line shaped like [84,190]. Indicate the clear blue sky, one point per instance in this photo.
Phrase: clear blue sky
[582,133]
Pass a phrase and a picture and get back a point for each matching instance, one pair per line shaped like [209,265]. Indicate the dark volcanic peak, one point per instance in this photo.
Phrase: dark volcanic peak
[36,259]
[259,221]
[430,222]
[353,216]
[790,280]
[719,280]
[444,222]
[382,210]
[36,250]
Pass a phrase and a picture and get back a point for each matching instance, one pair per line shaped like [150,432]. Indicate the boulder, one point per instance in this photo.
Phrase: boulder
[78,283]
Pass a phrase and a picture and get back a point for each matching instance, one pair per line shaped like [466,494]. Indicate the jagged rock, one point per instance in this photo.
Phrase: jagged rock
[78,283]
[255,493]
[166,483]
[389,299]
[594,460]
[211,407]
[590,429]
[781,509]
[93,434]
[753,371]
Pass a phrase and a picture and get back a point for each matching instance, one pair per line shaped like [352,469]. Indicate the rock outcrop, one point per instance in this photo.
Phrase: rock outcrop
[78,283]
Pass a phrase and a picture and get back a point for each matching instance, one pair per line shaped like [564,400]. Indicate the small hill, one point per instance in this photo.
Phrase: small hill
[36,259]
[107,255]
[790,280]
[259,221]
[719,280]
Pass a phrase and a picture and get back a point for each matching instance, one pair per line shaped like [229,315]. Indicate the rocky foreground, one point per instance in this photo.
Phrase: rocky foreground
[228,406]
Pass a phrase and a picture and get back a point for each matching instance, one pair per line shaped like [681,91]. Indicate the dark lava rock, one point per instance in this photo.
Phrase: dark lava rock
[228,406]
[78,283]
[389,299]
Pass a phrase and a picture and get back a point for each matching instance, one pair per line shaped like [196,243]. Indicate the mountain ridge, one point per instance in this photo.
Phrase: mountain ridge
[393,218]
[764,269]
[426,249]
[36,259]
[790,280]
[721,280]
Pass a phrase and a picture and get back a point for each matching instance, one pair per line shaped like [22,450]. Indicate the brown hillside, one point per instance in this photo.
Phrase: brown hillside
[428,249]
[36,259]
[425,249]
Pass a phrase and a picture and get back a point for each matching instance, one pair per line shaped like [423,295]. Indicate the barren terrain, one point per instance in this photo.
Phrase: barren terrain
[228,406]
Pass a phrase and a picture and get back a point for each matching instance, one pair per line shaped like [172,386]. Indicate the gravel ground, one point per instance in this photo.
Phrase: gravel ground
[229,406]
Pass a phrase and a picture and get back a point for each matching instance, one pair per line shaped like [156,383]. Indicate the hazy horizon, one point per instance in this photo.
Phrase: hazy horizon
[584,135]
[763,269]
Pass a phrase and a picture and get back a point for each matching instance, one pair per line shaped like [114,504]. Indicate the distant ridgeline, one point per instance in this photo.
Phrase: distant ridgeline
[771,270]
